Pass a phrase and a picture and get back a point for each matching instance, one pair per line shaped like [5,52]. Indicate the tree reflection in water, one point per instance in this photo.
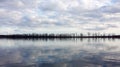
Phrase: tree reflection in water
[60,53]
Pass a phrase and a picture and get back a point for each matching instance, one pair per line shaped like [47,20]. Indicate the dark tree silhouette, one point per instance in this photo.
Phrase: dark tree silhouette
[52,35]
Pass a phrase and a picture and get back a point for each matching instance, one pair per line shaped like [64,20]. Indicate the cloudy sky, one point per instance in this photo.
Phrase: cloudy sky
[30,16]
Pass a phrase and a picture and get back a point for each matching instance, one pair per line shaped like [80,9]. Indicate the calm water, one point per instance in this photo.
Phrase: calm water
[60,53]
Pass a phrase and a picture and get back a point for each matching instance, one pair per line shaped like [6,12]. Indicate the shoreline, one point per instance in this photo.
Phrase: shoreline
[53,36]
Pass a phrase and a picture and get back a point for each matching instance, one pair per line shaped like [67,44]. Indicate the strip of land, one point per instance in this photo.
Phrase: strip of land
[30,36]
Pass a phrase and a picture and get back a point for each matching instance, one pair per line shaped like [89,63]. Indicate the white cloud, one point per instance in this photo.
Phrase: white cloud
[80,14]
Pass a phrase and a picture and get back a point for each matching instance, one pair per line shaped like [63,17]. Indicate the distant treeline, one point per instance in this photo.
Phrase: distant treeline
[71,35]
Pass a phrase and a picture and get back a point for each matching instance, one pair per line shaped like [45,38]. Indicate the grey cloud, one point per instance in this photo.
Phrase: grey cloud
[111,9]
[59,13]
[48,6]
[111,25]
[96,28]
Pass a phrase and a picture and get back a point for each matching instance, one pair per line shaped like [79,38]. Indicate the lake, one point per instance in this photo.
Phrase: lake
[60,53]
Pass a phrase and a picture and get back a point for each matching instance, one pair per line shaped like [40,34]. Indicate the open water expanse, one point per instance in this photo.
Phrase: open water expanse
[60,53]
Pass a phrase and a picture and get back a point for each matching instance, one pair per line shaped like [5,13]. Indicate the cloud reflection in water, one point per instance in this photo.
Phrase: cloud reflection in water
[59,53]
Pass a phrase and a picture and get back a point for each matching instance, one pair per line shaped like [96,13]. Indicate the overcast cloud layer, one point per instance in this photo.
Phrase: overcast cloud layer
[21,16]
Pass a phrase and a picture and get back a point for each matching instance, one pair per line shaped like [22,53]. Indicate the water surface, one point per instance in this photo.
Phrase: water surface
[60,53]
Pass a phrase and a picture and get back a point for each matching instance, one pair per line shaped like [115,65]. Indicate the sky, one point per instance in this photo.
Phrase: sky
[59,16]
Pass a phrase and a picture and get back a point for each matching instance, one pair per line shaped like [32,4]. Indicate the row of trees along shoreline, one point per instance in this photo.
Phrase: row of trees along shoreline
[67,35]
